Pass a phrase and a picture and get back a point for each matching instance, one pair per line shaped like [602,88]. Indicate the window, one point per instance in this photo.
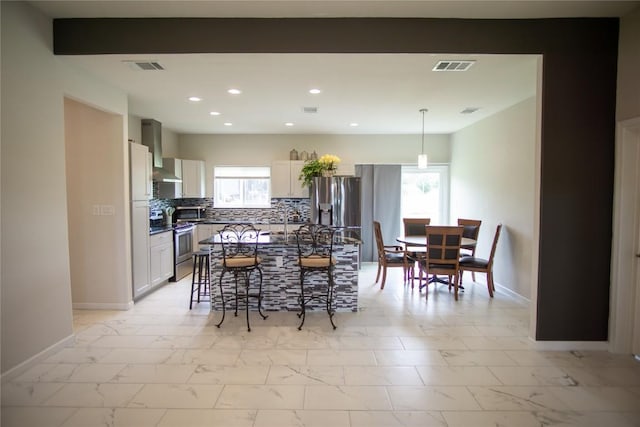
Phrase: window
[425,193]
[242,186]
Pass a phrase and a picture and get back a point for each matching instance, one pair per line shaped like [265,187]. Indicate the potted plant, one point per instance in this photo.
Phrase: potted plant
[326,165]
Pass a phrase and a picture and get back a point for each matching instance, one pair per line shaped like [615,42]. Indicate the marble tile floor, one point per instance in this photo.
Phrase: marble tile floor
[402,360]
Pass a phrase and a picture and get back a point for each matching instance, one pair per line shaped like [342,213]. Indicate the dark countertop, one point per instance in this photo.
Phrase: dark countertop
[160,229]
[211,221]
[279,239]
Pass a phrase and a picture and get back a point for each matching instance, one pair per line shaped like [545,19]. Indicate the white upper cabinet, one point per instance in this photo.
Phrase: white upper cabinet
[284,179]
[140,172]
[193,175]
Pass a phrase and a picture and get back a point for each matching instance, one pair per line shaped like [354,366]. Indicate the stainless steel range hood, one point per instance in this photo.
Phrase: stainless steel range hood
[152,138]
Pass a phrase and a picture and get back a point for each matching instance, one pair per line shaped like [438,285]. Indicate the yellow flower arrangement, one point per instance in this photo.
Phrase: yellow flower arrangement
[329,161]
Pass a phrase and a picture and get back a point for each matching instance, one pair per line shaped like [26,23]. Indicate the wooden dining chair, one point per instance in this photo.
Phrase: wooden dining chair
[471,231]
[414,227]
[480,265]
[442,256]
[388,255]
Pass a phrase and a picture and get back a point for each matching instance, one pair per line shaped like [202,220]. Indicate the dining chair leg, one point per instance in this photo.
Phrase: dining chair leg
[455,286]
[384,277]
[379,270]
[490,285]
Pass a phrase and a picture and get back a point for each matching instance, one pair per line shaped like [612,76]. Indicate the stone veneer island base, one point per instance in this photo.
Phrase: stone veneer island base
[281,277]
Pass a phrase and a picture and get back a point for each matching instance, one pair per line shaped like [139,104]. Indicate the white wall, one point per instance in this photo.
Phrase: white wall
[36,289]
[36,298]
[493,179]
[256,150]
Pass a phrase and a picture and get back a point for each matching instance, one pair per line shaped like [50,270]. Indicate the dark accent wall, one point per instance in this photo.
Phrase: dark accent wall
[578,118]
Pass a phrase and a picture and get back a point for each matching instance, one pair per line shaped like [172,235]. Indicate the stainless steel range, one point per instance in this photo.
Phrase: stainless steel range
[184,239]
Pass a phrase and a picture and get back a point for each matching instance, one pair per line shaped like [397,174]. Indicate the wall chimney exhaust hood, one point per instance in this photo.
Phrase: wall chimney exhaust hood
[152,138]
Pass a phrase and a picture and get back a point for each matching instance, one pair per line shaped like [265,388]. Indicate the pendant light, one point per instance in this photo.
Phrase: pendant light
[422,158]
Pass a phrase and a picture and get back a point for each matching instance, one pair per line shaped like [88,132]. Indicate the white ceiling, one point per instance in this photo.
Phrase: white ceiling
[382,93]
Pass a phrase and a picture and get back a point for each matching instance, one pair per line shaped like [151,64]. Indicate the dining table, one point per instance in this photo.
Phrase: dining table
[419,244]
[419,241]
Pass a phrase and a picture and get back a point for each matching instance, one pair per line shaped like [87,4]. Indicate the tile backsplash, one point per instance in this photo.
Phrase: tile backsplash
[274,215]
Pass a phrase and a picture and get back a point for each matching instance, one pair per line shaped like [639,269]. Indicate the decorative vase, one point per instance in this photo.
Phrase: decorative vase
[328,173]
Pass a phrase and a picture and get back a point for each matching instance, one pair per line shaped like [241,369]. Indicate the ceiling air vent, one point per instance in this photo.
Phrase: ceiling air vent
[310,110]
[145,65]
[469,110]
[453,65]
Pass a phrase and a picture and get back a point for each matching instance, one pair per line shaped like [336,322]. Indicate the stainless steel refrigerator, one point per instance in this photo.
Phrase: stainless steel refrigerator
[336,201]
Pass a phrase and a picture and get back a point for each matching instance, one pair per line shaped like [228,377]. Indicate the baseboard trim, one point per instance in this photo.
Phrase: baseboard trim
[102,306]
[570,345]
[33,360]
[512,293]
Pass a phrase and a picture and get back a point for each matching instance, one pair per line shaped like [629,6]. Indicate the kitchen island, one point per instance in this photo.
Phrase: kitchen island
[281,276]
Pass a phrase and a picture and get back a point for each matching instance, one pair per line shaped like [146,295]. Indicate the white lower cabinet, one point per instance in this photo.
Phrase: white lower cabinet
[161,257]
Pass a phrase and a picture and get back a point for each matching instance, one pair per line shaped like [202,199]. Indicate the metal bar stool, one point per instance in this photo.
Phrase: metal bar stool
[200,278]
[315,255]
[240,258]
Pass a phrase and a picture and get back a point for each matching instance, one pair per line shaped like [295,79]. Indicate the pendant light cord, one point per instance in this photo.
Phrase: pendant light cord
[424,110]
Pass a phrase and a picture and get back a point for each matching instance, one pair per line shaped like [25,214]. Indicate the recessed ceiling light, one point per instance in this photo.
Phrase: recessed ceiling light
[234,91]
[228,124]
[214,113]
[353,124]
[195,99]
[288,124]
[315,91]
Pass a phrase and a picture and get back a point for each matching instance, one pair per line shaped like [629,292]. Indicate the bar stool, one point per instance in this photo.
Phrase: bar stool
[240,258]
[315,255]
[200,278]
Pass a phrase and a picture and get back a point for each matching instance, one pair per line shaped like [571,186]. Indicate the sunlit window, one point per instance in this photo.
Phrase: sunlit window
[425,193]
[242,187]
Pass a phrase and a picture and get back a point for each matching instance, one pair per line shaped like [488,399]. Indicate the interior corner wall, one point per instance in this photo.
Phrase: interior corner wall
[37,314]
[36,293]
[493,179]
[95,173]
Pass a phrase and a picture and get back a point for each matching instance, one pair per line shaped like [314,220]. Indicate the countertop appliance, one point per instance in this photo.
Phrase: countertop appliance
[189,214]
[336,201]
